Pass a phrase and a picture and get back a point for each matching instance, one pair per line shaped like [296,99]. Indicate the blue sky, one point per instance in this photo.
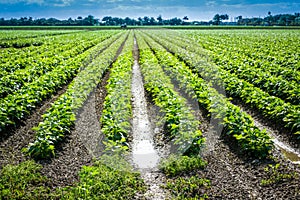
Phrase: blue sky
[194,9]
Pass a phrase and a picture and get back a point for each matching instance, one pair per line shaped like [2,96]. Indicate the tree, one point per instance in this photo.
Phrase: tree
[218,18]
[269,19]
[90,21]
[185,18]
[140,21]
[107,20]
[152,21]
[175,21]
[146,20]
[160,20]
[239,19]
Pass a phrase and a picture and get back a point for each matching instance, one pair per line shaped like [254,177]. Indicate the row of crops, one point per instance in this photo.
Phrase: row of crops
[277,109]
[212,72]
[27,81]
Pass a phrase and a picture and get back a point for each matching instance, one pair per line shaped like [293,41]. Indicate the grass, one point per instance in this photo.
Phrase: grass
[175,165]
[103,180]
[188,188]
[275,176]
[23,181]
[180,182]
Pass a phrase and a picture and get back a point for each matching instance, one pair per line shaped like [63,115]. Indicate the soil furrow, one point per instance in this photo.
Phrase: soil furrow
[145,156]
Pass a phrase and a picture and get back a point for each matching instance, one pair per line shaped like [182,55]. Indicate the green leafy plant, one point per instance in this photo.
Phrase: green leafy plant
[23,181]
[105,180]
[188,188]
[175,165]
[236,123]
[117,110]
[275,176]
[19,104]
[60,118]
[180,122]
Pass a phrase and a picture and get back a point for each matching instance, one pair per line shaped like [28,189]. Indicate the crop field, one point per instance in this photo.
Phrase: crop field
[150,114]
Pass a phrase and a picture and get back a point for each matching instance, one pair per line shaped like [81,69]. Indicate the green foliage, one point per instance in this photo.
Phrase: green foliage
[61,116]
[188,188]
[29,85]
[175,165]
[37,63]
[236,123]
[105,180]
[117,111]
[23,181]
[180,122]
[261,73]
[276,177]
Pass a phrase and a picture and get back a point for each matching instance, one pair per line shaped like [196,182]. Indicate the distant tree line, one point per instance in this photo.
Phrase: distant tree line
[270,20]
[92,21]
[24,21]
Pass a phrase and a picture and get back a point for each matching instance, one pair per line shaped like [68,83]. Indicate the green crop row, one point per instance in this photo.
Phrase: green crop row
[14,81]
[14,35]
[60,117]
[117,110]
[21,43]
[280,82]
[21,39]
[270,65]
[279,50]
[180,122]
[53,49]
[16,106]
[236,123]
[271,107]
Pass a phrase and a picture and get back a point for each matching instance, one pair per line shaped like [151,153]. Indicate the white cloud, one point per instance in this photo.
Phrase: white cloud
[210,3]
[114,1]
[63,3]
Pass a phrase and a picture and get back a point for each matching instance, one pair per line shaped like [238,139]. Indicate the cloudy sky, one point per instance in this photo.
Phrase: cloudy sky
[194,9]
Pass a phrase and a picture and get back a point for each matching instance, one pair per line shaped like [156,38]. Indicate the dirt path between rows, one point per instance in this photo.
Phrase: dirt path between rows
[145,155]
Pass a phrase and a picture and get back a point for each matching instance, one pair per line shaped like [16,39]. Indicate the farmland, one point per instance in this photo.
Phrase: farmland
[150,114]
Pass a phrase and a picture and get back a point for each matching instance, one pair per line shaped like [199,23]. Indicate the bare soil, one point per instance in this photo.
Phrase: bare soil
[234,177]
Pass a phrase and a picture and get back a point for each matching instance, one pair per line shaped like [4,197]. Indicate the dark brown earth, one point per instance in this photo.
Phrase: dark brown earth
[234,177]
